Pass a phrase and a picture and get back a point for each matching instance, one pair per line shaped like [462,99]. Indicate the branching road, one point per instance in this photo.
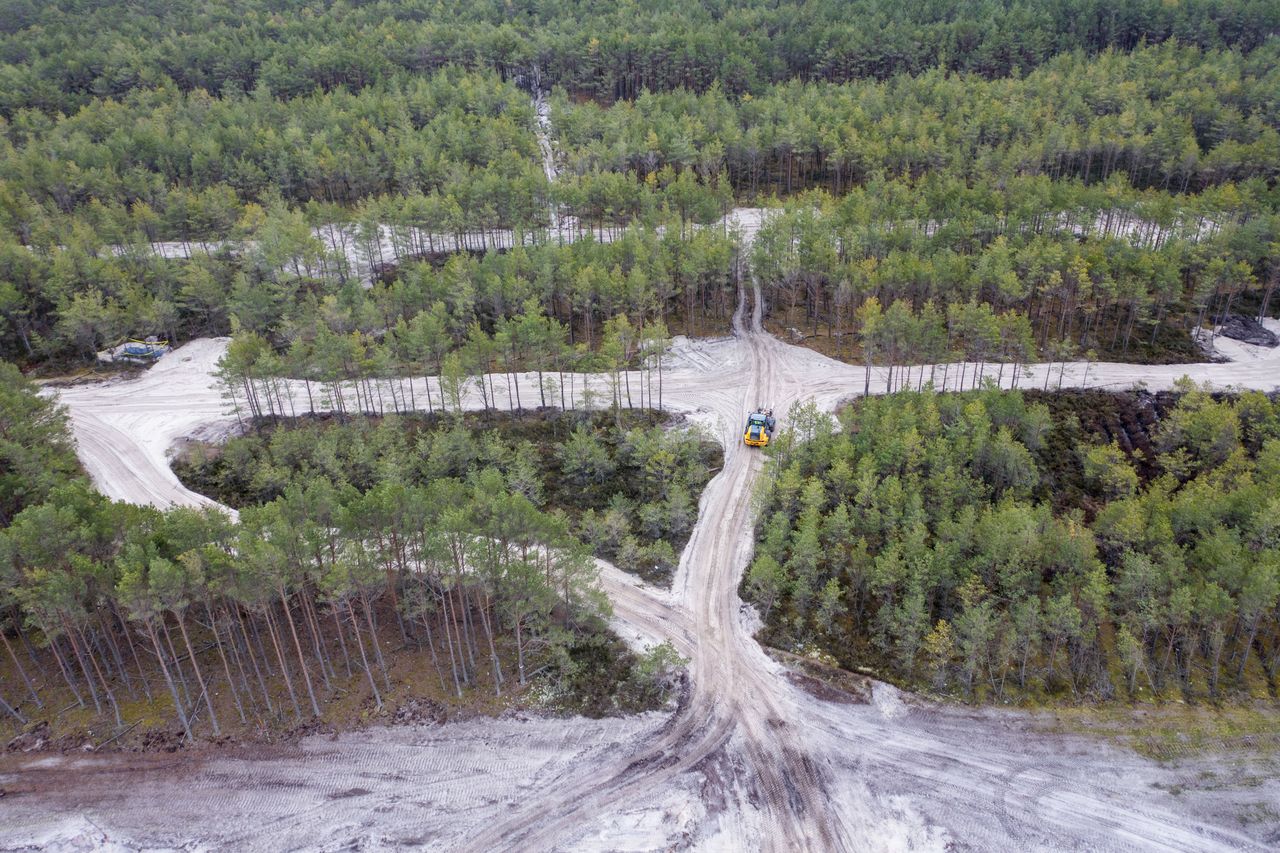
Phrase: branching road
[785,752]
[748,760]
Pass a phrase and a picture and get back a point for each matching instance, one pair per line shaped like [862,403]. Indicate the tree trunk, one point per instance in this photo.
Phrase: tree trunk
[364,658]
[168,679]
[204,687]
[284,669]
[306,672]
[21,672]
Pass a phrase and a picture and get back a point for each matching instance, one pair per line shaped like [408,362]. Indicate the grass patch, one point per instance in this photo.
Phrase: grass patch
[1176,730]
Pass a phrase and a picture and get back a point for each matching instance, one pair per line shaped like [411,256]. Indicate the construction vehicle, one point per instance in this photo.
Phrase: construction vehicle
[759,429]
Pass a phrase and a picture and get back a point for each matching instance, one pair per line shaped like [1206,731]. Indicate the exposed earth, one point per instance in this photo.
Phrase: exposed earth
[749,759]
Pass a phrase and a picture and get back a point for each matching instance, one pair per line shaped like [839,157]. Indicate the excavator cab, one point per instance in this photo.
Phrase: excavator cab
[760,424]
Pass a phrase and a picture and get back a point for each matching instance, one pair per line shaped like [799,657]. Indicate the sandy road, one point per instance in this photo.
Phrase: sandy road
[734,715]
[747,761]
[787,752]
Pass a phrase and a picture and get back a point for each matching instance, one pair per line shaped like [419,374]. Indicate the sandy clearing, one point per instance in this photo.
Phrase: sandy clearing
[125,429]
[385,787]
[747,761]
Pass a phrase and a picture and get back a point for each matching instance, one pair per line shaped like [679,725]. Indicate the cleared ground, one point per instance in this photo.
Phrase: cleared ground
[748,759]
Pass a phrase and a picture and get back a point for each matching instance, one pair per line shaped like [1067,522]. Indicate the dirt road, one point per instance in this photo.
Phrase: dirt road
[747,761]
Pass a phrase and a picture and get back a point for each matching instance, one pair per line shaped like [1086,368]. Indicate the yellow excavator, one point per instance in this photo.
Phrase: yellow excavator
[760,425]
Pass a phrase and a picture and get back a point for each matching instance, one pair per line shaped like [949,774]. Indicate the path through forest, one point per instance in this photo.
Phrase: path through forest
[749,759]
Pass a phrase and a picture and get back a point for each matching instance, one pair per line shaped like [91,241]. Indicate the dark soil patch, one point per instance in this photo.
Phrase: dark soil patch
[1172,344]
[34,738]
[1085,417]
[417,711]
[308,728]
[821,690]
[159,740]
[349,793]
[389,272]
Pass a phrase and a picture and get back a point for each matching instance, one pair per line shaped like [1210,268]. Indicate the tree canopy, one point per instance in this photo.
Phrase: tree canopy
[981,544]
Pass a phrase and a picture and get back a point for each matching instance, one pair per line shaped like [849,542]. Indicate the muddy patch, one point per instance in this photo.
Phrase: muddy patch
[349,793]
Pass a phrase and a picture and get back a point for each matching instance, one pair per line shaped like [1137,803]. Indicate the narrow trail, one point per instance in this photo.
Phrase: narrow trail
[546,149]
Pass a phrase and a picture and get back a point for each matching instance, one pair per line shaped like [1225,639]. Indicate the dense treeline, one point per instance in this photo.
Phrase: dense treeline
[451,155]
[160,164]
[187,154]
[36,453]
[1097,267]
[1075,268]
[58,55]
[131,611]
[629,491]
[73,301]
[922,539]
[474,325]
[279,199]
[1168,116]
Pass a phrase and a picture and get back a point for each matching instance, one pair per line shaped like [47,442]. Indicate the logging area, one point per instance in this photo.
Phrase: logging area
[431,523]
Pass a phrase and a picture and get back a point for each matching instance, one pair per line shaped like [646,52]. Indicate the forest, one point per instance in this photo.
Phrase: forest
[324,600]
[394,209]
[58,55]
[1134,189]
[1076,270]
[629,491]
[1170,117]
[1024,546]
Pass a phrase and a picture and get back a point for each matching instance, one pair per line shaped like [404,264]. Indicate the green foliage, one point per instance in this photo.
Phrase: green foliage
[584,461]
[143,203]
[436,532]
[36,453]
[58,55]
[917,278]
[949,511]
[628,491]
[1200,435]
[1109,473]
[602,677]
[1064,118]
